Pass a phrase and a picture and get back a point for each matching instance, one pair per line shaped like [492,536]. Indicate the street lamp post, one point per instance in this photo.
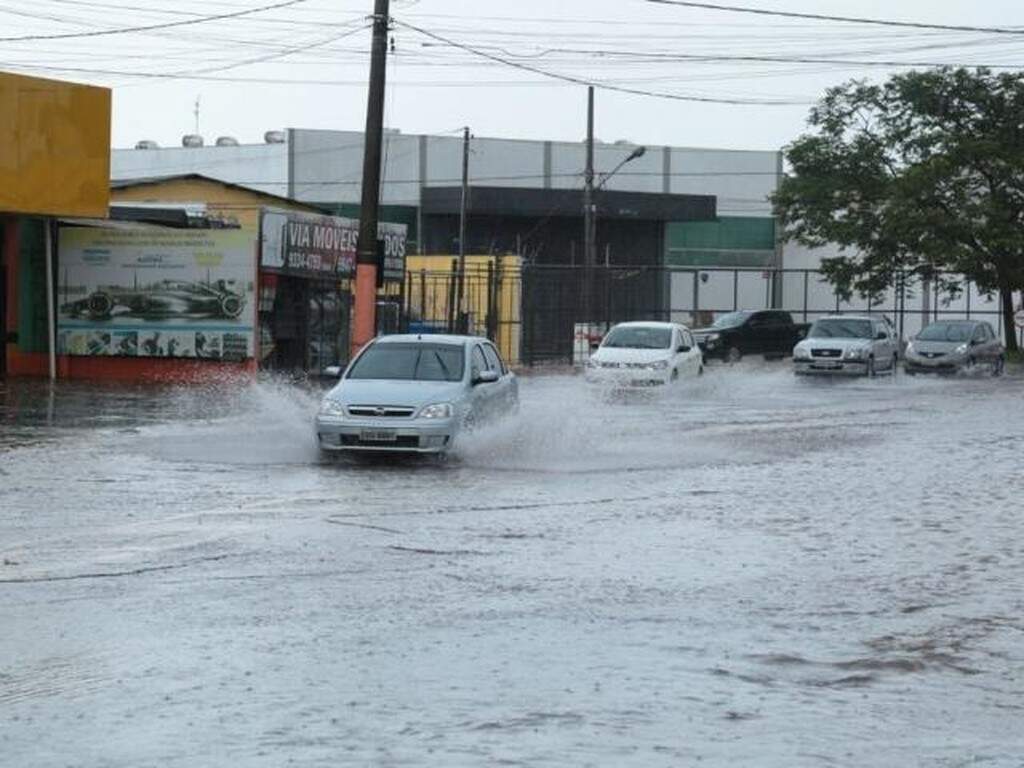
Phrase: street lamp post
[590,225]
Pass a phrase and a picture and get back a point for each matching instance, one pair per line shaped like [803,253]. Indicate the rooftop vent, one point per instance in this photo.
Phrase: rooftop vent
[146,144]
[227,141]
[275,137]
[191,140]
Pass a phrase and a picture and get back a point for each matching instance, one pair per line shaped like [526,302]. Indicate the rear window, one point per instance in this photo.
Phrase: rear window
[410,362]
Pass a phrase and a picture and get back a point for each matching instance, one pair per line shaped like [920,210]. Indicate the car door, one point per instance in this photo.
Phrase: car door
[501,394]
[692,358]
[981,345]
[884,345]
[994,343]
[756,337]
[480,403]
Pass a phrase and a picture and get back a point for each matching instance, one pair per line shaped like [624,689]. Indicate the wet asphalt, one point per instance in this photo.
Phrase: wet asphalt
[749,570]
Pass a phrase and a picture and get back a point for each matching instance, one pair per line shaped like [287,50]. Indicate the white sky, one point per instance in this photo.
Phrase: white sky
[435,88]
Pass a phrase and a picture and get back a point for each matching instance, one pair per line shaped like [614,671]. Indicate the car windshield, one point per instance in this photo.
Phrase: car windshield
[946,332]
[839,328]
[731,320]
[410,362]
[638,337]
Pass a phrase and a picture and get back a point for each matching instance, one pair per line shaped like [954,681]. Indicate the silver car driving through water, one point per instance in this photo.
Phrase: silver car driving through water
[415,394]
[949,346]
[847,345]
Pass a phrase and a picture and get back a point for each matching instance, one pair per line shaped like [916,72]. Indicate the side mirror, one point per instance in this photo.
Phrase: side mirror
[334,371]
[975,342]
[595,344]
[486,377]
[682,348]
[882,336]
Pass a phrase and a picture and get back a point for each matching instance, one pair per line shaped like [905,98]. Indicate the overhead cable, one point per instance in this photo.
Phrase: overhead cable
[843,19]
[153,27]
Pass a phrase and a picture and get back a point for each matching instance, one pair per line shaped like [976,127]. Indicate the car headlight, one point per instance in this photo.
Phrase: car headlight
[800,353]
[711,339]
[330,407]
[961,350]
[436,411]
[854,354]
[910,348]
[658,365]
[591,363]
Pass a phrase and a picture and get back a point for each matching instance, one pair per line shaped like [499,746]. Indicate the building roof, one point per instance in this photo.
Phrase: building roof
[155,180]
[611,204]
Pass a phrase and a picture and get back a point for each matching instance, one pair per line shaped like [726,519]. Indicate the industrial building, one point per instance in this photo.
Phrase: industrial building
[524,195]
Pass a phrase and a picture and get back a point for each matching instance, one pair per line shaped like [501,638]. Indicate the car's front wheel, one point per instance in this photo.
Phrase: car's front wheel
[870,369]
[733,355]
[999,366]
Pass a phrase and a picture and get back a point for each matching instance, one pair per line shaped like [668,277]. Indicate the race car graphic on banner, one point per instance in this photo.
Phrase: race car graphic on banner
[156,293]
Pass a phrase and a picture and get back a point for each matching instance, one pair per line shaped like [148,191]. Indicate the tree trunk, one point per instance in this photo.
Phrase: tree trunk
[1009,328]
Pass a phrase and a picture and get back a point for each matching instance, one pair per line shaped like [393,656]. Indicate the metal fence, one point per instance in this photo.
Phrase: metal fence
[532,312]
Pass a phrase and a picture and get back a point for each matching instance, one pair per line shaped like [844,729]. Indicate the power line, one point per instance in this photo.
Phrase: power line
[844,19]
[598,84]
[640,57]
[153,27]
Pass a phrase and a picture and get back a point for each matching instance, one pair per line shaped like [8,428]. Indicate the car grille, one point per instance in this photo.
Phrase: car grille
[381,411]
[826,352]
[402,441]
[932,355]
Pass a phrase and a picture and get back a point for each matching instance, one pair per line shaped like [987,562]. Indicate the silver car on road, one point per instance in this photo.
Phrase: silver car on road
[949,346]
[414,393]
[847,345]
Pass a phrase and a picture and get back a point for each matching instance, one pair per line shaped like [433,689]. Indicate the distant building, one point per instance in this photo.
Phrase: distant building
[422,174]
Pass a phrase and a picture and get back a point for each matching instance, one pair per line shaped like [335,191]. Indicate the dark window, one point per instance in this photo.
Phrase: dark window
[479,362]
[494,359]
[638,337]
[979,334]
[410,362]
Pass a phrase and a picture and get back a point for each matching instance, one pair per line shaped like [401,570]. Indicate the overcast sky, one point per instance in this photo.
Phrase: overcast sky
[305,65]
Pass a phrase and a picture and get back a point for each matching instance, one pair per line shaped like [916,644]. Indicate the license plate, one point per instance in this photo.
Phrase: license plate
[378,435]
[826,366]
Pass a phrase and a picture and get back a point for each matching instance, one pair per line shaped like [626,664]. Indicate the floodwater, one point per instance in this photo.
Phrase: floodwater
[751,570]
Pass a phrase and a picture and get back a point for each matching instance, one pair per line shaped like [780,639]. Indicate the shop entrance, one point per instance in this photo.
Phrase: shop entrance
[305,325]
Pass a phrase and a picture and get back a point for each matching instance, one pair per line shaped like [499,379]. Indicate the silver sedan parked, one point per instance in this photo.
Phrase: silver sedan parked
[415,393]
[949,346]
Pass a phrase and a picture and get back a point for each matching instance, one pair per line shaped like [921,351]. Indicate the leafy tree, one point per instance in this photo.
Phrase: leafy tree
[917,176]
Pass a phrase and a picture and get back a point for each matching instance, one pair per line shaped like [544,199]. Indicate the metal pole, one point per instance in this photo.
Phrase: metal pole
[367,257]
[461,297]
[589,229]
[51,314]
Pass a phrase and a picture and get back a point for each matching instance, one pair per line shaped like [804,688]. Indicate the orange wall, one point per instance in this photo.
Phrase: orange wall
[54,147]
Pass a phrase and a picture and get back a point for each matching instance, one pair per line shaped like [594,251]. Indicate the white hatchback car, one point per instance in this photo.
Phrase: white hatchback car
[645,354]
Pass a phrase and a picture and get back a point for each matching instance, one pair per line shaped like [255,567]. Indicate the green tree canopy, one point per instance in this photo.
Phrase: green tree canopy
[921,175]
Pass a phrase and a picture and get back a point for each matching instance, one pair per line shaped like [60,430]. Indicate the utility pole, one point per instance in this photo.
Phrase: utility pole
[589,231]
[367,252]
[462,318]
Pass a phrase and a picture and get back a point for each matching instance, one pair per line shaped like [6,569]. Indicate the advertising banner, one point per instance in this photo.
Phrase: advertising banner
[156,293]
[323,246]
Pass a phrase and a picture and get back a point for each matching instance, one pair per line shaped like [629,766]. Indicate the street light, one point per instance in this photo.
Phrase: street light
[590,219]
[638,152]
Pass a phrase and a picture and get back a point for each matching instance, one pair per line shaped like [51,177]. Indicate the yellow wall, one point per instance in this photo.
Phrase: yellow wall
[427,277]
[54,147]
[220,199]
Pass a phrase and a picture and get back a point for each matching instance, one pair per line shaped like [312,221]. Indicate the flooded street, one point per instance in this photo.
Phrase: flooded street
[751,570]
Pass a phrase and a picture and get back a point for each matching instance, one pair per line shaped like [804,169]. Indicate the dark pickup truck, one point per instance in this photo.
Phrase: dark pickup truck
[767,332]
